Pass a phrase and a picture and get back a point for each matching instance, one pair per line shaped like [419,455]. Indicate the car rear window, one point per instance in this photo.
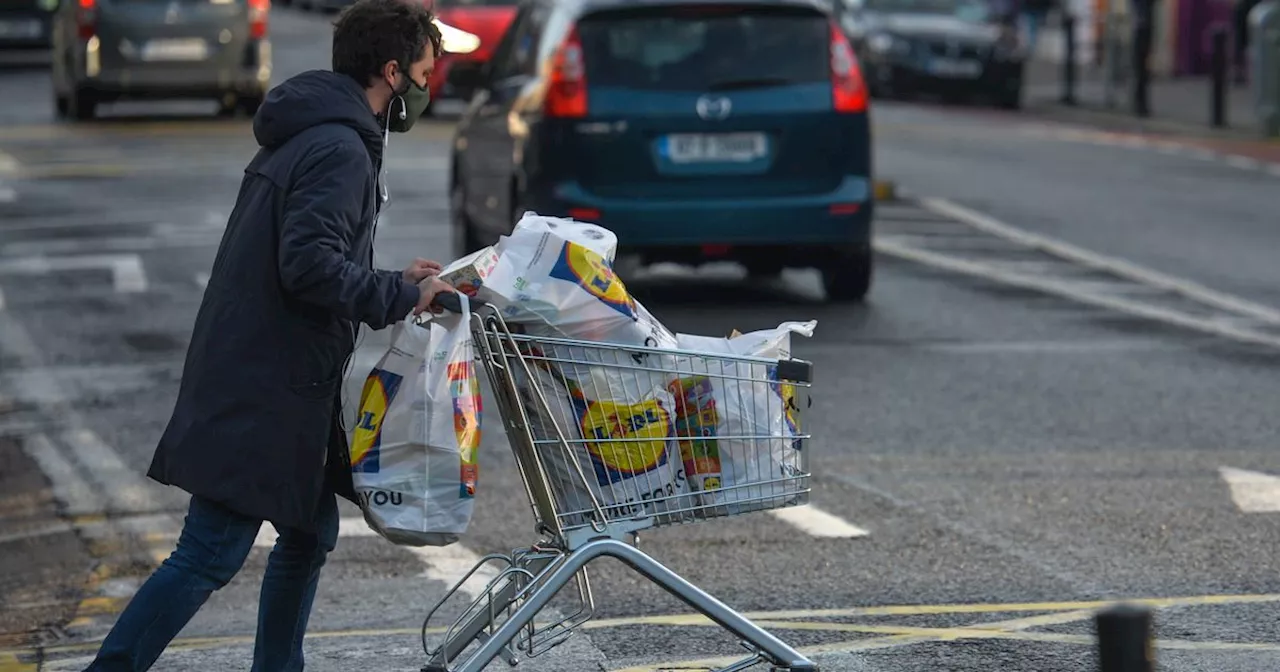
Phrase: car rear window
[705,48]
[462,4]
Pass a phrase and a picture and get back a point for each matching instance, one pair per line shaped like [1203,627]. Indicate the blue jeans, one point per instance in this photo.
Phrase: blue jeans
[213,546]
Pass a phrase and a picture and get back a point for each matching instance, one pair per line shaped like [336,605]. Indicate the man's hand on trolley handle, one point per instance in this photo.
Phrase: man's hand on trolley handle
[429,289]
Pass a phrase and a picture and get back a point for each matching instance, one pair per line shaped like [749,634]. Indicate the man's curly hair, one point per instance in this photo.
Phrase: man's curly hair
[369,33]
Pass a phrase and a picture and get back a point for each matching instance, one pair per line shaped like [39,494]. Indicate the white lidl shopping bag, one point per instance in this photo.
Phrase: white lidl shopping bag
[622,452]
[414,446]
[757,414]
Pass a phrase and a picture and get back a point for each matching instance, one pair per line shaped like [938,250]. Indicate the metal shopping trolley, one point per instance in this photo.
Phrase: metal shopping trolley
[610,440]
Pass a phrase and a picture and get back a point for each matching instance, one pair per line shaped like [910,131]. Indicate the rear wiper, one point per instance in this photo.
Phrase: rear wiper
[749,83]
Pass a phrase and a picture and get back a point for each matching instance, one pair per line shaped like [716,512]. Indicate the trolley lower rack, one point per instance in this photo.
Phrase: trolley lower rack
[610,440]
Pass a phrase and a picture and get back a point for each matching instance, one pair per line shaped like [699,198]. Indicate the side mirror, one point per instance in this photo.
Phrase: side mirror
[466,77]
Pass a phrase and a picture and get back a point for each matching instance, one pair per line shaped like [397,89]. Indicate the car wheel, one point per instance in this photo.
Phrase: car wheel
[81,105]
[1011,100]
[847,276]
[465,240]
[250,104]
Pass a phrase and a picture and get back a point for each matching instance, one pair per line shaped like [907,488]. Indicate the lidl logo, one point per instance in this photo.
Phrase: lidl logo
[464,388]
[625,440]
[589,270]
[379,389]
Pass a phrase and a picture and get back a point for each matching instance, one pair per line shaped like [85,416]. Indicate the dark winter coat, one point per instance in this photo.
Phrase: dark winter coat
[256,426]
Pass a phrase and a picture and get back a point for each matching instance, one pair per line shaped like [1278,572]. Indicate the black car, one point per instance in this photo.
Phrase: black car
[25,24]
[953,48]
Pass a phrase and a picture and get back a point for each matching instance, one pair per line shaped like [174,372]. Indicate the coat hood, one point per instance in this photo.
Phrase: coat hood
[313,98]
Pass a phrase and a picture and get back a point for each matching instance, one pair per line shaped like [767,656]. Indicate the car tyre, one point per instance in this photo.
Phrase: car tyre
[465,240]
[250,104]
[1011,100]
[846,277]
[82,105]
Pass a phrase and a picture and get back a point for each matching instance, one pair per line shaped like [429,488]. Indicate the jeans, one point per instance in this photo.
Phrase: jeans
[212,548]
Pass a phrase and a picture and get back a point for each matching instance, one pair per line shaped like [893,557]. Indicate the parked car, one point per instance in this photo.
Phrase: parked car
[957,48]
[25,24]
[108,50]
[695,130]
[471,29]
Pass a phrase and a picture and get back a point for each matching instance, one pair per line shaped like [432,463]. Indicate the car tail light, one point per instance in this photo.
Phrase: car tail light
[567,92]
[258,11]
[87,19]
[848,90]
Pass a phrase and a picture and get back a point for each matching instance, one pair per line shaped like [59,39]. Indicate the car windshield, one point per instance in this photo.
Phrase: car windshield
[969,10]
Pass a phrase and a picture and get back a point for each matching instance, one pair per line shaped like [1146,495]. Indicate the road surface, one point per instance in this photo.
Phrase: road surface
[1003,444]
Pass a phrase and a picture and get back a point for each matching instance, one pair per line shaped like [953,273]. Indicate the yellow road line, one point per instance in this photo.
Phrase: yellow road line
[897,635]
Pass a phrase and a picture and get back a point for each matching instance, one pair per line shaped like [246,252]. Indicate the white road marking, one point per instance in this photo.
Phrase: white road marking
[202,279]
[1242,162]
[818,523]
[68,487]
[1100,262]
[45,531]
[127,273]
[9,166]
[1252,491]
[125,489]
[2,304]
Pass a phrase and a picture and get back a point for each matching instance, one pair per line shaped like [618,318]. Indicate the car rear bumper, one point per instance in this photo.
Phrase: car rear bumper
[997,77]
[179,83]
[25,30]
[840,217]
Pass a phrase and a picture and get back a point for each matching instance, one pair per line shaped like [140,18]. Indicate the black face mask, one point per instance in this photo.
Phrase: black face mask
[412,102]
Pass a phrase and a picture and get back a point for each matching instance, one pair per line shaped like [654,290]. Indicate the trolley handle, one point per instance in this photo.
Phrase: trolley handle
[450,302]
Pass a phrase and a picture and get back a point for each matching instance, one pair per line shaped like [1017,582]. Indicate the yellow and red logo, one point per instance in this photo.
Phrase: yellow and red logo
[464,388]
[589,270]
[625,440]
[379,389]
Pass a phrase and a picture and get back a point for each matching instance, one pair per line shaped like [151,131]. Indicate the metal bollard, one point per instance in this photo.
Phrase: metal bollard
[1124,639]
[1218,78]
[1264,35]
[1069,59]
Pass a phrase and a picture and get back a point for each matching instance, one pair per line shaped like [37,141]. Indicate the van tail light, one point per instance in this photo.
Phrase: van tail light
[567,91]
[258,11]
[848,89]
[87,19]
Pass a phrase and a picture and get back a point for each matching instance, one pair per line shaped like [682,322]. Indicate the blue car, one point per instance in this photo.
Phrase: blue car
[696,130]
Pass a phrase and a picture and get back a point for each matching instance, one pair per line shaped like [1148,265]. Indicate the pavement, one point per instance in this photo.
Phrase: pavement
[1004,444]
[1178,105]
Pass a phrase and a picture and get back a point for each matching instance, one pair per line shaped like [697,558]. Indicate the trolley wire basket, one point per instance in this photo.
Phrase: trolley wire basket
[610,440]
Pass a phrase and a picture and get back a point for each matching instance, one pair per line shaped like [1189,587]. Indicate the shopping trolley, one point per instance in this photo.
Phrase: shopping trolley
[712,436]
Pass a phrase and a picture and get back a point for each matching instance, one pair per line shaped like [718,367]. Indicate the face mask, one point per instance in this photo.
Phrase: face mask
[413,102]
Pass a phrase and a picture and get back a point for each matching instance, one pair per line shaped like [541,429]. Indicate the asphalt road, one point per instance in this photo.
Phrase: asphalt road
[1012,458]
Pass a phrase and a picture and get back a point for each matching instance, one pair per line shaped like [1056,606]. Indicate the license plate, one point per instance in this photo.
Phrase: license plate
[946,67]
[175,50]
[28,29]
[717,148]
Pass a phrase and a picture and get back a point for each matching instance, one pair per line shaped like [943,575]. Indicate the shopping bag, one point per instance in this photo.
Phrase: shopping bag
[414,446]
[746,403]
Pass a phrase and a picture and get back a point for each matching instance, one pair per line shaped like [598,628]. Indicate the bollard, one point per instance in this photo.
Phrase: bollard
[1069,59]
[1124,639]
[1264,40]
[1218,78]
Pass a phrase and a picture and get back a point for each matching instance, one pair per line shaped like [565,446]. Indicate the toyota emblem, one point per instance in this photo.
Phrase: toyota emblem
[714,108]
